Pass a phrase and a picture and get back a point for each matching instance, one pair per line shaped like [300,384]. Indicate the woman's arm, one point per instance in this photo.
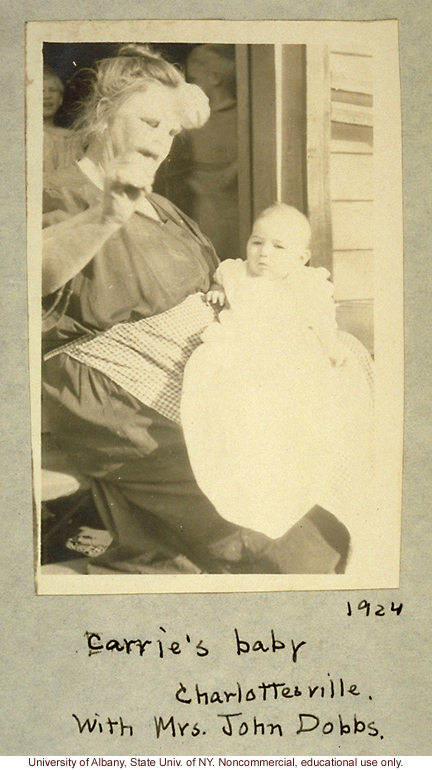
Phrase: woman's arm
[69,245]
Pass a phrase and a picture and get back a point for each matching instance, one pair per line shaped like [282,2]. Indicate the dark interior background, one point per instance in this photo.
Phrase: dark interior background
[73,62]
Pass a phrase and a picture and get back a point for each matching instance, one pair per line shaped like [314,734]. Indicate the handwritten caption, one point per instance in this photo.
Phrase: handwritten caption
[293,704]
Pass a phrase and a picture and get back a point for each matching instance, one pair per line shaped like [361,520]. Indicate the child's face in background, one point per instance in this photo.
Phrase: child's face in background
[52,95]
[277,246]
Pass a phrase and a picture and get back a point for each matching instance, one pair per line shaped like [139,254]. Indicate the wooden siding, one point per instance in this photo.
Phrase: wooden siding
[352,225]
[352,190]
[353,275]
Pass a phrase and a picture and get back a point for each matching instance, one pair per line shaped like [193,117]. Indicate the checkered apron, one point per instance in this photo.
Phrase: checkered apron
[147,357]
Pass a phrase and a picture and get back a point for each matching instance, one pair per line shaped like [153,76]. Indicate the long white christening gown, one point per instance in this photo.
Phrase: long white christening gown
[272,426]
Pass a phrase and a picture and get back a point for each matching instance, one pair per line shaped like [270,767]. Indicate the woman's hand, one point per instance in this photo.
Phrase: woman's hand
[337,354]
[128,178]
[333,348]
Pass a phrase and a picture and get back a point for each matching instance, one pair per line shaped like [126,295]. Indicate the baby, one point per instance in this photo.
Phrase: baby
[278,249]
[276,407]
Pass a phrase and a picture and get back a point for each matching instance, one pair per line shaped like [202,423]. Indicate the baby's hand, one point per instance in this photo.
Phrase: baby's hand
[216,295]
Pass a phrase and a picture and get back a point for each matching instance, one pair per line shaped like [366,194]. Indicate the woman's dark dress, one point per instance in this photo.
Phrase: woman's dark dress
[142,482]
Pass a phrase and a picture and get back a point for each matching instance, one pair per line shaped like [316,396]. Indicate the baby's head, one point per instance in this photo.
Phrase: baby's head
[279,243]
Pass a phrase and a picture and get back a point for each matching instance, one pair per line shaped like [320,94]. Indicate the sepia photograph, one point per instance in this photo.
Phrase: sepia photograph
[215,391]
[214,227]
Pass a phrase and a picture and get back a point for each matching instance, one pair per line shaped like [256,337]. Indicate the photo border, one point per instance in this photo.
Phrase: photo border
[381,567]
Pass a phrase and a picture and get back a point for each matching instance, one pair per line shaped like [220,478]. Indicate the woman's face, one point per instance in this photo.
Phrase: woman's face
[146,123]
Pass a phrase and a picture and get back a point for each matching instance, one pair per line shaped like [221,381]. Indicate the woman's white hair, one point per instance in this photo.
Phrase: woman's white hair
[133,69]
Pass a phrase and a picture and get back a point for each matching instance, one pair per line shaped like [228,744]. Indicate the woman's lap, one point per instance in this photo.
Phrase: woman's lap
[145,491]
[142,480]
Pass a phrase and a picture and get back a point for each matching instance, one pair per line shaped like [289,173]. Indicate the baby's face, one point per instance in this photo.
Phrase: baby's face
[276,247]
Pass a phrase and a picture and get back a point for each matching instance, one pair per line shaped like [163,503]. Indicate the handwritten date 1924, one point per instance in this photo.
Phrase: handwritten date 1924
[379,609]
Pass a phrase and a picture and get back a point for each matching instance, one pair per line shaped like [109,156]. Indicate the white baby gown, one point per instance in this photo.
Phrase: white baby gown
[272,427]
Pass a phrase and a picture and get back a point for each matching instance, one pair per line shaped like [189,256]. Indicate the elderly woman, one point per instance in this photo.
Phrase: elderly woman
[114,254]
